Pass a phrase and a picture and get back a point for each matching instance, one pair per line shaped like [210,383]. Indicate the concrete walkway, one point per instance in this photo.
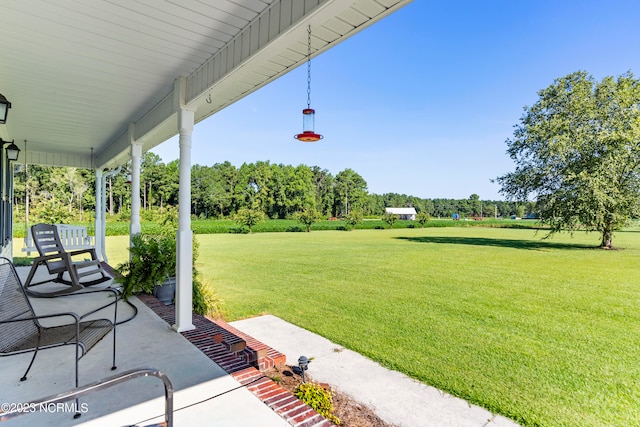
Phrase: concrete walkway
[394,397]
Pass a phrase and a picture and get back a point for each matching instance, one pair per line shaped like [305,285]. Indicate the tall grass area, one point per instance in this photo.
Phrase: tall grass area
[543,331]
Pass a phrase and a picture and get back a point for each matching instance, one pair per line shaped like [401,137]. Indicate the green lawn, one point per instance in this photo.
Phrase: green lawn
[543,331]
[546,332]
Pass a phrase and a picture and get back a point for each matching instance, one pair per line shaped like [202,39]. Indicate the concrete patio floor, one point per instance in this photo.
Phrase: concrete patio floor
[144,342]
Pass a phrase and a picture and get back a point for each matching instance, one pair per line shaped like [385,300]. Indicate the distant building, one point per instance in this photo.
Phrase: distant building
[403,213]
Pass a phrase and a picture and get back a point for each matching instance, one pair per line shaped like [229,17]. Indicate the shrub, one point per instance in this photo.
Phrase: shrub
[153,258]
[319,399]
[249,217]
[422,218]
[390,219]
[353,218]
[205,301]
[308,217]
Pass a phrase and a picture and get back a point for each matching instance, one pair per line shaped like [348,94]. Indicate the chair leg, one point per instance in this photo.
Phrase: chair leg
[24,377]
[115,322]
[32,272]
[77,414]
[73,273]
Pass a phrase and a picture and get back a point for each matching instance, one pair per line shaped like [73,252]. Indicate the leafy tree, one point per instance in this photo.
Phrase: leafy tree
[390,219]
[475,205]
[151,167]
[215,189]
[201,188]
[577,151]
[350,191]
[249,217]
[168,185]
[423,217]
[226,177]
[353,218]
[308,217]
[324,183]
[249,190]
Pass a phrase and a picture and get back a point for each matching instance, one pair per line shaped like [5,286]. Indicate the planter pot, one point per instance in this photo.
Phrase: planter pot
[166,292]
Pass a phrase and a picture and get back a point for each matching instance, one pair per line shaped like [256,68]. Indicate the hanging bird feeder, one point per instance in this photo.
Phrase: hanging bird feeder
[308,114]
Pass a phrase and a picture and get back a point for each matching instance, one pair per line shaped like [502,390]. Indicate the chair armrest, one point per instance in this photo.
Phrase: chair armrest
[42,258]
[91,251]
[114,302]
[44,316]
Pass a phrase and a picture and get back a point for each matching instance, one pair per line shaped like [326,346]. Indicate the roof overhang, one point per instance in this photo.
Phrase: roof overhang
[87,79]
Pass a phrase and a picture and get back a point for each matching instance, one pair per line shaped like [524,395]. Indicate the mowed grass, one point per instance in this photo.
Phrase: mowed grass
[546,332]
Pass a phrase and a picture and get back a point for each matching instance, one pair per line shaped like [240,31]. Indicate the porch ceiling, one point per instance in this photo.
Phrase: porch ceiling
[79,73]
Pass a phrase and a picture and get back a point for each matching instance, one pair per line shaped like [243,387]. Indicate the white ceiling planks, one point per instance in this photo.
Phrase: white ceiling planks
[80,73]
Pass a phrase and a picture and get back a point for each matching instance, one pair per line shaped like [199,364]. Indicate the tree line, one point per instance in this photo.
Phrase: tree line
[64,194]
[576,150]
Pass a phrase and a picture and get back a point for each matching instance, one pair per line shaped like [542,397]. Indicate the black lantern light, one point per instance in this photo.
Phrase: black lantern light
[12,150]
[4,109]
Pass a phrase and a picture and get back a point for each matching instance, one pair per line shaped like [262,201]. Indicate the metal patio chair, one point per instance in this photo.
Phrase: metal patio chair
[21,330]
[59,261]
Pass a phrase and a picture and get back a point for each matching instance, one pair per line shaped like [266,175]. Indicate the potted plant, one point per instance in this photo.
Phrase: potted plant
[152,267]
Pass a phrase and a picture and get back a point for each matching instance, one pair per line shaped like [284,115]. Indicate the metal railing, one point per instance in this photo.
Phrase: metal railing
[43,404]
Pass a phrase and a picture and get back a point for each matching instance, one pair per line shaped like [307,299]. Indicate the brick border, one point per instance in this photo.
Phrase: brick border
[241,356]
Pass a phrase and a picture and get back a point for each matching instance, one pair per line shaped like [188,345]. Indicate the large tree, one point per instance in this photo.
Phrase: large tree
[350,192]
[577,151]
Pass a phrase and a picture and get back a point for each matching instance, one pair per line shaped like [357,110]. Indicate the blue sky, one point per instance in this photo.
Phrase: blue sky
[422,102]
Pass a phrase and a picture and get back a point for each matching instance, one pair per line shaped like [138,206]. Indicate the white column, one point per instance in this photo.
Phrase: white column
[136,157]
[184,291]
[98,230]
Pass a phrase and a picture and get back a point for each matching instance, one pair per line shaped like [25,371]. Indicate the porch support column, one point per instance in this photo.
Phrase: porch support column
[184,261]
[136,158]
[99,232]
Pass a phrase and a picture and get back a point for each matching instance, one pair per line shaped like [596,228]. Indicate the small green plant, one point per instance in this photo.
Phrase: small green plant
[249,217]
[153,258]
[319,399]
[277,378]
[422,218]
[205,301]
[390,219]
[308,217]
[353,218]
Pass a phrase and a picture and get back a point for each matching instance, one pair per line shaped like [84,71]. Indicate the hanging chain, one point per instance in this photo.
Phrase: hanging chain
[309,68]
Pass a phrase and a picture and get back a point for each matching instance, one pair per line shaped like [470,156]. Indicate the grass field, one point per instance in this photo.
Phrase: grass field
[546,332]
[543,331]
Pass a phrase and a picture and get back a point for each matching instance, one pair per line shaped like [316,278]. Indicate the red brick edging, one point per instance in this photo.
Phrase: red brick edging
[239,355]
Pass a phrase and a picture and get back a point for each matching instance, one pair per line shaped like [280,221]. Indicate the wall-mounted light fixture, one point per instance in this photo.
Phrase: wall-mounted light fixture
[12,150]
[4,109]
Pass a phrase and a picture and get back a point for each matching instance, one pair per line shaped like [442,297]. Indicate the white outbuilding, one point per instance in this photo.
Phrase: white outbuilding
[403,213]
